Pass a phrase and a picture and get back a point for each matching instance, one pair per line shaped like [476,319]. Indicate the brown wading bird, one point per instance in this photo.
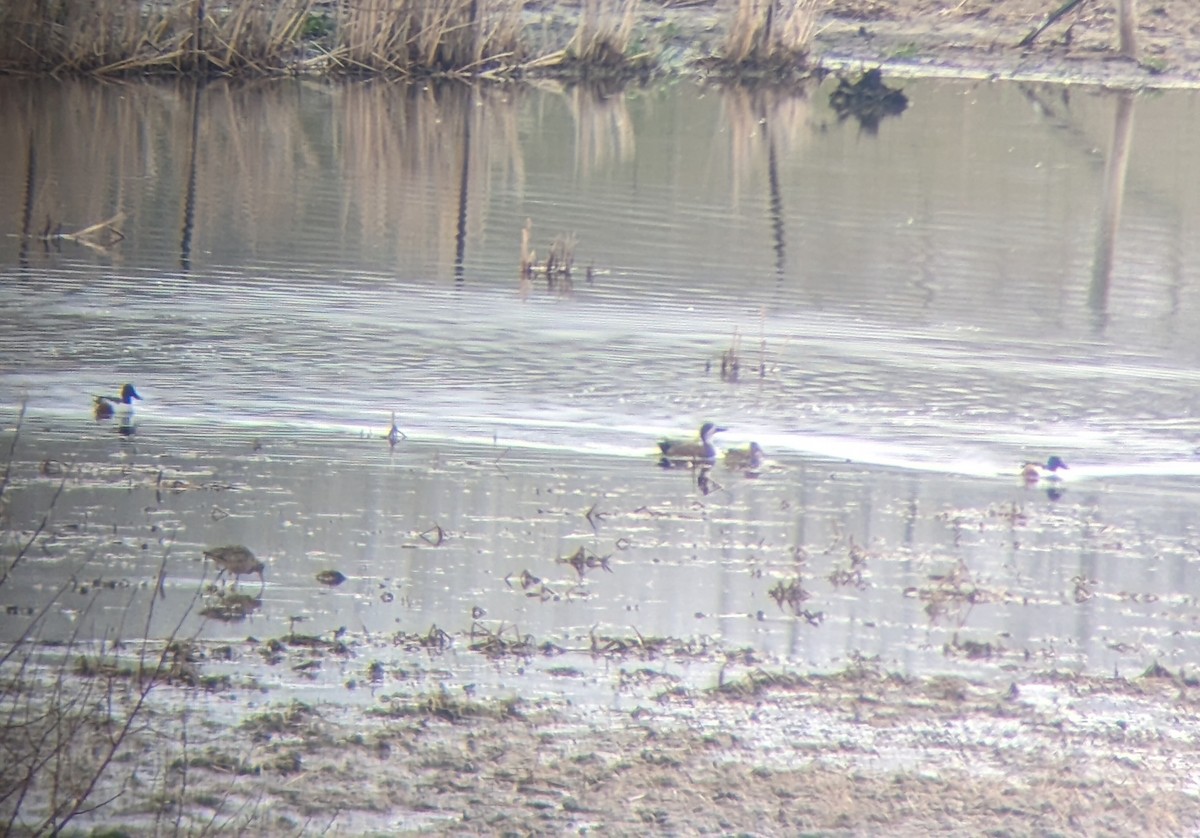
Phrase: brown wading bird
[106,406]
[746,459]
[692,450]
[238,560]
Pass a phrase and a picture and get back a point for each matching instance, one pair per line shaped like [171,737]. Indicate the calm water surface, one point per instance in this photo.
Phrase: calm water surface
[1001,273]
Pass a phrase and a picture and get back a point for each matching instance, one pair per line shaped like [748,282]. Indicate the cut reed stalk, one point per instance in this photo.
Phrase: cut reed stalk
[527,254]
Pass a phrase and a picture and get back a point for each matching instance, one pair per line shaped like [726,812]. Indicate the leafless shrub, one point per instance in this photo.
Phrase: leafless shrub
[69,709]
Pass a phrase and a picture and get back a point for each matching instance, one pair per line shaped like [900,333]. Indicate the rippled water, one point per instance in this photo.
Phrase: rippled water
[916,311]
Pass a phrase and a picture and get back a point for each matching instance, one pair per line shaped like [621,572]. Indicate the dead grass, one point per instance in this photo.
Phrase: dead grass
[603,36]
[107,37]
[478,38]
[453,36]
[771,33]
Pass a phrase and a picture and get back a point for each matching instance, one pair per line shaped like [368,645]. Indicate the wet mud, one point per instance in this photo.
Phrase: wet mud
[854,752]
[281,730]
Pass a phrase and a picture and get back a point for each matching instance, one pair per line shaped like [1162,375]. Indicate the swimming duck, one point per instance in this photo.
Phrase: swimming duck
[106,406]
[745,459]
[394,434]
[1033,472]
[238,560]
[692,450]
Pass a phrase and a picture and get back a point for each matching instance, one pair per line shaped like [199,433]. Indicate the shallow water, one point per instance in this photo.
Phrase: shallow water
[916,311]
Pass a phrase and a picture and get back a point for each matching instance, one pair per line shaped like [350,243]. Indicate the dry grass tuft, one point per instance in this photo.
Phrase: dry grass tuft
[604,34]
[771,33]
[558,266]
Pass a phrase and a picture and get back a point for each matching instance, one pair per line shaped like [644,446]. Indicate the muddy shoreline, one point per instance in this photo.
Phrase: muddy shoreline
[273,730]
[980,40]
[932,38]
[851,753]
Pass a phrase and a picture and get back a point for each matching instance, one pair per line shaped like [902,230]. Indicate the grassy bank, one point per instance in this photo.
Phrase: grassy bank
[394,37]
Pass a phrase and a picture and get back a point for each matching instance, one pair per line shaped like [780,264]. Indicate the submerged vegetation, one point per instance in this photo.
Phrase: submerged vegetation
[480,38]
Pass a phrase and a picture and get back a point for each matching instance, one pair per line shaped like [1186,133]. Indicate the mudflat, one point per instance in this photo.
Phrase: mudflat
[977,38]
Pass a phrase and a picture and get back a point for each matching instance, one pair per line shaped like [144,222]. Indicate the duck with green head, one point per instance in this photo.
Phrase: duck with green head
[1033,472]
[105,407]
[700,450]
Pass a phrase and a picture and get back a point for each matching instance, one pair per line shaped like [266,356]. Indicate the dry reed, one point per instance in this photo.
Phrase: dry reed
[248,36]
[604,33]
[771,33]
[405,37]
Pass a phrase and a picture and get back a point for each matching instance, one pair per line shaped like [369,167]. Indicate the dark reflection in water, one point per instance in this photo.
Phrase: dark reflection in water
[1115,169]
[460,238]
[189,201]
[27,201]
[922,310]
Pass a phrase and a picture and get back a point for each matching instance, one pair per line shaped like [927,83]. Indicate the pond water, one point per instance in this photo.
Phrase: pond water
[999,274]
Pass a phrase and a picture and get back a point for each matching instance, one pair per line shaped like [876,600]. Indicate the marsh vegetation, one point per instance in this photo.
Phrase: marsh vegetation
[477,38]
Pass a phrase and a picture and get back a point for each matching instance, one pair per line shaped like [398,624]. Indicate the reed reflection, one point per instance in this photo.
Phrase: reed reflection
[767,125]
[604,130]
[189,201]
[1115,168]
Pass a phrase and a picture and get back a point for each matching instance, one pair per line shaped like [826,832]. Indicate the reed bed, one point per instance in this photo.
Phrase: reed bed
[250,36]
[478,38]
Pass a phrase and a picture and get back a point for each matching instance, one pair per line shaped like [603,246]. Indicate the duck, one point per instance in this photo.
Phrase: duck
[1033,472]
[237,560]
[745,459]
[692,450]
[394,434]
[105,406]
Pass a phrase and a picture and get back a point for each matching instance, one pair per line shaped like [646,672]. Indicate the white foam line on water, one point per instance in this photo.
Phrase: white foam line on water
[1166,468]
[639,441]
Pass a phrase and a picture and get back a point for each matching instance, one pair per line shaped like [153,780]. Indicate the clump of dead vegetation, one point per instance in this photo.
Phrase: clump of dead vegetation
[100,237]
[584,560]
[952,594]
[451,708]
[855,574]
[770,37]
[601,46]
[792,593]
[731,360]
[557,270]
